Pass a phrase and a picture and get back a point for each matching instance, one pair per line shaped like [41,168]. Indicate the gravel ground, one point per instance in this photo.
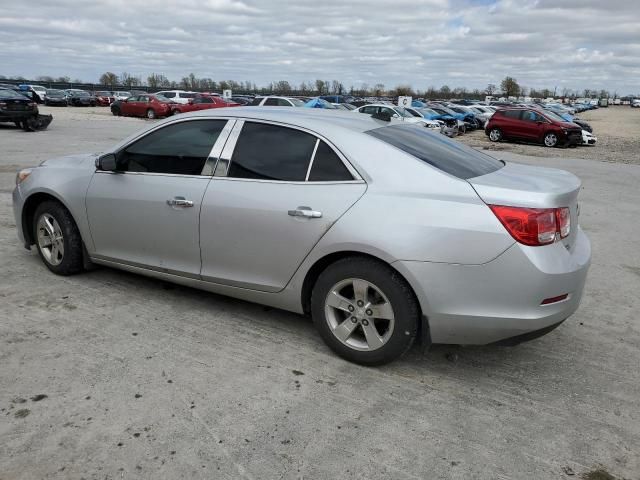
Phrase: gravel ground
[617,129]
[111,376]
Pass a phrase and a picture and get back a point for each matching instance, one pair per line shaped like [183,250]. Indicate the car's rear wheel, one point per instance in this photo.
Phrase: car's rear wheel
[551,139]
[57,238]
[116,112]
[495,135]
[365,311]
[151,114]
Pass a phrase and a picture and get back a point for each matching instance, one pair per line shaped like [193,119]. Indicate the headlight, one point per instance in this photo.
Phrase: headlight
[22,175]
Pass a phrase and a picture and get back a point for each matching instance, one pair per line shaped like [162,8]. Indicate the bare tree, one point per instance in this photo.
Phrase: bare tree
[510,87]
[109,79]
[156,80]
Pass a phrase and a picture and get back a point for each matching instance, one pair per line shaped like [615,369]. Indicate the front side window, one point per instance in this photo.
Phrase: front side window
[271,152]
[168,94]
[271,102]
[180,149]
[256,101]
[327,166]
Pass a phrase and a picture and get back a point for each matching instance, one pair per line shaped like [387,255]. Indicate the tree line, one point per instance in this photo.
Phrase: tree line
[508,87]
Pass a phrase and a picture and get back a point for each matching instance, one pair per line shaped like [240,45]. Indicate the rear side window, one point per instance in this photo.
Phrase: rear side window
[180,149]
[256,101]
[187,95]
[515,114]
[168,94]
[437,150]
[270,152]
[327,166]
[271,102]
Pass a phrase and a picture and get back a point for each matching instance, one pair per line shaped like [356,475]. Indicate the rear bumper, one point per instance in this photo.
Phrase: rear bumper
[17,116]
[501,299]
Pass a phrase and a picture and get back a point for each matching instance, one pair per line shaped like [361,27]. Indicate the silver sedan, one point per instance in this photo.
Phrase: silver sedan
[382,232]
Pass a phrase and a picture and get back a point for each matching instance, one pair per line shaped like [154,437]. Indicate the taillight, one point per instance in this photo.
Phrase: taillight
[3,105]
[563,217]
[534,226]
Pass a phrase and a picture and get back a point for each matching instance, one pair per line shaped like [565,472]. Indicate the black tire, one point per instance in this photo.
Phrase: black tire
[151,114]
[116,112]
[398,292]
[495,134]
[72,259]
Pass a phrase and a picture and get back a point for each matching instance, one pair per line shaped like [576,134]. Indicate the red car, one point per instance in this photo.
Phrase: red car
[146,105]
[532,125]
[203,102]
[104,99]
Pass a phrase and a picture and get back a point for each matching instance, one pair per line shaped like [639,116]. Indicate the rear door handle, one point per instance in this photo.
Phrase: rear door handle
[305,212]
[180,202]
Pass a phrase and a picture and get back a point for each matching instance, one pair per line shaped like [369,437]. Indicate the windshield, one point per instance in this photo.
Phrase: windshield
[403,112]
[55,93]
[437,150]
[554,116]
[446,111]
[428,111]
[297,102]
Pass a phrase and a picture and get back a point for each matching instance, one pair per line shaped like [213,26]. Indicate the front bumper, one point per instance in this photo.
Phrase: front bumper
[481,304]
[18,203]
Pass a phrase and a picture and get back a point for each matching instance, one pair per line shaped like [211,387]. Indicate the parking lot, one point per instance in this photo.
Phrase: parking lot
[109,375]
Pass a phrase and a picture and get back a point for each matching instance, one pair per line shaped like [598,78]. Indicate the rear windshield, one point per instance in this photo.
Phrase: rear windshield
[437,150]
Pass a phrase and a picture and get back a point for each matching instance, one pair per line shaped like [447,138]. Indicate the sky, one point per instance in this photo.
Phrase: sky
[573,44]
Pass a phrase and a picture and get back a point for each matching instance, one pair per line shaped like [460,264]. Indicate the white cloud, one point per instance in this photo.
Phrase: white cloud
[543,43]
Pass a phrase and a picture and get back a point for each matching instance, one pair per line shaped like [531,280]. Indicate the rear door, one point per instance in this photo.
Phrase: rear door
[532,124]
[511,124]
[276,191]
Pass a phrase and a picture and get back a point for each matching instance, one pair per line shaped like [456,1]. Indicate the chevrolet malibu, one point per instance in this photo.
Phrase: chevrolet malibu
[382,232]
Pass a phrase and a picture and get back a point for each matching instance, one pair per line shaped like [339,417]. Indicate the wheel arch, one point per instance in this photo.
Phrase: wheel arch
[322,263]
[29,210]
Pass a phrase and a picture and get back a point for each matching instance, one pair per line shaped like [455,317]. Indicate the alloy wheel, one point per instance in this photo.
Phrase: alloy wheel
[494,135]
[550,139]
[359,314]
[50,239]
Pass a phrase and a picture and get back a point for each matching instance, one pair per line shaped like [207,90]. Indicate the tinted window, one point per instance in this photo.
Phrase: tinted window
[369,110]
[203,100]
[270,152]
[256,101]
[181,148]
[515,114]
[187,95]
[531,116]
[168,94]
[283,103]
[272,102]
[327,166]
[447,155]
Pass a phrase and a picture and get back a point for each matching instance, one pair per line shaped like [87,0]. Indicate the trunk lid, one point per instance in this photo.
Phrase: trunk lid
[519,185]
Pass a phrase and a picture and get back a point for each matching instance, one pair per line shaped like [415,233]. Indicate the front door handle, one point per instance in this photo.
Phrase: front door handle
[305,212]
[180,202]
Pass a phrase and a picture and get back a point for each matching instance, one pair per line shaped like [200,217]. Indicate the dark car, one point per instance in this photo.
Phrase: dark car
[146,105]
[16,108]
[56,97]
[532,125]
[80,98]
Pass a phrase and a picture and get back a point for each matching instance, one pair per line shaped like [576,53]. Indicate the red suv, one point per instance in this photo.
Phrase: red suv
[532,125]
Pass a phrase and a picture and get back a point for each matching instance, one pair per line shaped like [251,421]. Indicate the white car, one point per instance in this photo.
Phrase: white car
[398,113]
[588,138]
[273,101]
[178,96]
[635,103]
[436,124]
[40,91]
[121,95]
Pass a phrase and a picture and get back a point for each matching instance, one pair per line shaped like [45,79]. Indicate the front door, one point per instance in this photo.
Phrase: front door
[532,125]
[265,210]
[147,213]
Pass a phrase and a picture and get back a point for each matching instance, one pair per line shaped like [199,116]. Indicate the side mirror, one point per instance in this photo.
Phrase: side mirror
[106,163]
[395,115]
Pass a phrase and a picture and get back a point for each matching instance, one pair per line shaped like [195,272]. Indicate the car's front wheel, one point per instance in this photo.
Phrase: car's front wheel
[57,238]
[495,135]
[551,139]
[151,114]
[365,311]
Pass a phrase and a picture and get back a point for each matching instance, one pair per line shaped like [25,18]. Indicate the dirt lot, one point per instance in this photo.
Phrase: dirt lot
[617,129]
[109,375]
